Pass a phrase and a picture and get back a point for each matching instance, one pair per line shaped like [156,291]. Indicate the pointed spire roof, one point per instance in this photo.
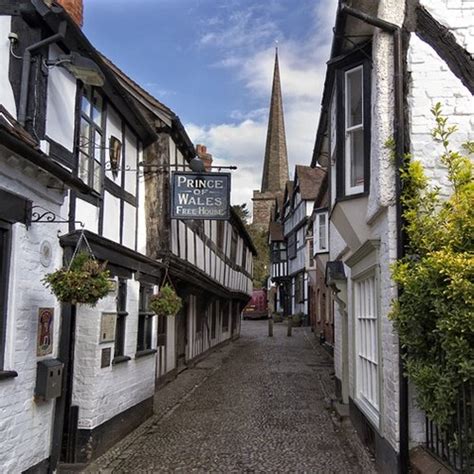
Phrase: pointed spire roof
[275,167]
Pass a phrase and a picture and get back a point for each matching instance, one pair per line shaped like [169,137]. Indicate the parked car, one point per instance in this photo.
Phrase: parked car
[257,307]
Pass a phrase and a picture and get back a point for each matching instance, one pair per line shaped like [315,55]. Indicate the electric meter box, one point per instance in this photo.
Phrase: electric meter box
[49,376]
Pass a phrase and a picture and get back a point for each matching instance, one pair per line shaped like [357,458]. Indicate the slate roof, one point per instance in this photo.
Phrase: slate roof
[8,122]
[276,232]
[309,180]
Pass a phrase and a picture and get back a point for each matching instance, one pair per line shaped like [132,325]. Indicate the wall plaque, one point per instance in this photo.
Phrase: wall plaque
[200,195]
[107,327]
[44,344]
[105,357]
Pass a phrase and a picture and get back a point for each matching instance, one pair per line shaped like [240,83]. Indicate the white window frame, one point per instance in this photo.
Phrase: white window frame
[366,322]
[348,132]
[318,248]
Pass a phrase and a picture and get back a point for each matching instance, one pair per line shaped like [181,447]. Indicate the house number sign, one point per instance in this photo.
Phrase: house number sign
[200,196]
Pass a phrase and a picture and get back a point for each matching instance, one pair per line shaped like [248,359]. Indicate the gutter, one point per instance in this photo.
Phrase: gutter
[399,127]
[42,161]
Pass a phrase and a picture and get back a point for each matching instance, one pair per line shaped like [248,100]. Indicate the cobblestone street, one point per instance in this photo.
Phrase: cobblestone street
[259,404]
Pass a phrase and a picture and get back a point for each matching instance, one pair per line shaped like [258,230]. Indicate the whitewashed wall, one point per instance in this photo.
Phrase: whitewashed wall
[7,98]
[25,423]
[61,103]
[102,393]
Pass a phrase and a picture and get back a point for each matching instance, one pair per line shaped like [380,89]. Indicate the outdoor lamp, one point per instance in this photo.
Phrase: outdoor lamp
[81,68]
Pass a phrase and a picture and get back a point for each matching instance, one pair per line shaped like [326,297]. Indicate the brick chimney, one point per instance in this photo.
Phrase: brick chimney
[206,157]
[75,8]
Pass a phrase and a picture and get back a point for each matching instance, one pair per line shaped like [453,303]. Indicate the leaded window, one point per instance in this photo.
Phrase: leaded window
[91,139]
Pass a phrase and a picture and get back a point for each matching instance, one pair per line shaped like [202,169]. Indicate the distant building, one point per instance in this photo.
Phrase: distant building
[275,166]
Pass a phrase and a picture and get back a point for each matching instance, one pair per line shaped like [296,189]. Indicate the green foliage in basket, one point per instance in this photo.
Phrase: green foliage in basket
[86,282]
[166,302]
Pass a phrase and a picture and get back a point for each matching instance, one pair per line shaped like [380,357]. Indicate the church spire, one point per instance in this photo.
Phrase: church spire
[275,167]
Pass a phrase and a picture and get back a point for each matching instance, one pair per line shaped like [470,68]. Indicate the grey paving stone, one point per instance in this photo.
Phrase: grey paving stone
[258,404]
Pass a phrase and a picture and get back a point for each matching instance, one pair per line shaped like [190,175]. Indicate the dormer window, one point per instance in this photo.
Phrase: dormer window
[349,126]
[91,139]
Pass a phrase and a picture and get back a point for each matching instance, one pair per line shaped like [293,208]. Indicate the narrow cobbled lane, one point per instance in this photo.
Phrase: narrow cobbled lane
[259,404]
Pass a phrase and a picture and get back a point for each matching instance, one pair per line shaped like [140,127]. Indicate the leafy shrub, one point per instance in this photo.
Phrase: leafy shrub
[166,302]
[434,315]
[85,282]
[277,317]
[297,319]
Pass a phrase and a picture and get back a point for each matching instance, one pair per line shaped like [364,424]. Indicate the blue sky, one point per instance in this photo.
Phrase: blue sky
[211,61]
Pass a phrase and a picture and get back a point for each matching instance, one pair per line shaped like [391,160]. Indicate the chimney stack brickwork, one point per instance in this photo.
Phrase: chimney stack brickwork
[75,8]
[204,156]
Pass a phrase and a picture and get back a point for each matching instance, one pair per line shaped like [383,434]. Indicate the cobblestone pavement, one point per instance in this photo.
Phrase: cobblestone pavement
[258,404]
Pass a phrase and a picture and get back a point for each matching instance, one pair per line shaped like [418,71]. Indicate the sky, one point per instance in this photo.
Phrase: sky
[211,62]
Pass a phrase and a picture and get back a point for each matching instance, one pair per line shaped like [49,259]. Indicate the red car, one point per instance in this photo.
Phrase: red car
[257,307]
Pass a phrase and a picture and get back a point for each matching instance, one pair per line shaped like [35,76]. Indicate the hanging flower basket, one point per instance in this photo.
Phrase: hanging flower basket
[84,281]
[166,302]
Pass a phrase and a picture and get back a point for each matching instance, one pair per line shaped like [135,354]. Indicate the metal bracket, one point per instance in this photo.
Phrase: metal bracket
[41,215]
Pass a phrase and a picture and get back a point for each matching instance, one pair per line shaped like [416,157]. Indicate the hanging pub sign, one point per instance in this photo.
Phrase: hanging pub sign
[200,195]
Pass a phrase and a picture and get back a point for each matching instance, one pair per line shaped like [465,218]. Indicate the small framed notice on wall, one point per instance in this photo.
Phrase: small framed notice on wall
[107,327]
[44,345]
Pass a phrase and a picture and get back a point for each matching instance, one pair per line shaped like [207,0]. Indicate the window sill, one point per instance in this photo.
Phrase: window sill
[348,197]
[120,359]
[8,374]
[145,352]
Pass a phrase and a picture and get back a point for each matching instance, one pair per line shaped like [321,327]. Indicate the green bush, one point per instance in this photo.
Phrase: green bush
[297,319]
[85,282]
[434,315]
[277,317]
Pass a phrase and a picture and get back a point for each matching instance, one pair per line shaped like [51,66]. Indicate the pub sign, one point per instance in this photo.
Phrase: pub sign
[200,195]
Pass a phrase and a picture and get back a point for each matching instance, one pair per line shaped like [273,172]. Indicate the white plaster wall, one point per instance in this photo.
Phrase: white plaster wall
[6,92]
[337,341]
[141,234]
[111,217]
[113,128]
[129,225]
[382,171]
[171,344]
[432,82]
[26,424]
[61,103]
[88,214]
[102,393]
[131,155]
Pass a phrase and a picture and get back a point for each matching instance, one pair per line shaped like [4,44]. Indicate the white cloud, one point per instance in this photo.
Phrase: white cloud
[245,44]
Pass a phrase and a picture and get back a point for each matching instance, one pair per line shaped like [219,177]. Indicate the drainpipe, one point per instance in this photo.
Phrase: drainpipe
[26,66]
[399,126]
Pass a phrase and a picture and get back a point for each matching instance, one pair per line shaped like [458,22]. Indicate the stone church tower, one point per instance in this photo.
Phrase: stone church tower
[275,166]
